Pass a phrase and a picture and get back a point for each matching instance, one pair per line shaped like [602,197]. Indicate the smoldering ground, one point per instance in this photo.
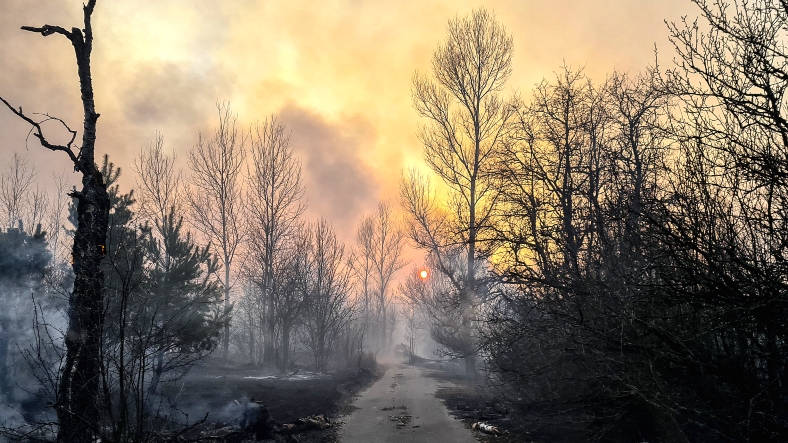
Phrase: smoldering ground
[228,394]
[31,325]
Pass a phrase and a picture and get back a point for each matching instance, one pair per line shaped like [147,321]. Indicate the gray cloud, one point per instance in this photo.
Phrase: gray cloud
[165,93]
[339,186]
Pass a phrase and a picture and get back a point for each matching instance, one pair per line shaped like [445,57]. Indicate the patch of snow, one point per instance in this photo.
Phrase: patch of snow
[297,376]
[308,376]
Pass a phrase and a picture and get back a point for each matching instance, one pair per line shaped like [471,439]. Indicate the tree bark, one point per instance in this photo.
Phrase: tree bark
[285,347]
[78,390]
[226,337]
[251,339]
[269,360]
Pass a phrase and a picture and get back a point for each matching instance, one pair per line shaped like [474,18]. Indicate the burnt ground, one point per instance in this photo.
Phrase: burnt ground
[221,390]
[475,402]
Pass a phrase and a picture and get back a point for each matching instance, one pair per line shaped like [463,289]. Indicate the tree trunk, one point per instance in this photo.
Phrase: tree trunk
[383,327]
[269,359]
[320,357]
[470,366]
[348,351]
[262,334]
[226,338]
[251,339]
[285,346]
[78,391]
[158,368]
[466,333]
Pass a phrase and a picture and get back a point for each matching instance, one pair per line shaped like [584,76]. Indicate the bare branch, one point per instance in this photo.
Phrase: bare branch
[47,30]
[40,135]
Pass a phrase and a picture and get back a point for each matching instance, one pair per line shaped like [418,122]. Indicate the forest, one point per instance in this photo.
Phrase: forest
[607,257]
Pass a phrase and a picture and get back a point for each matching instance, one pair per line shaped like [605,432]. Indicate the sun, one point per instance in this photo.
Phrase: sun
[424,274]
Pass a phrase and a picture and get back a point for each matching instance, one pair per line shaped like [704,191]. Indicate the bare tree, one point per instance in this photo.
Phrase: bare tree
[556,234]
[327,309]
[725,226]
[15,189]
[158,182]
[468,124]
[168,251]
[38,209]
[292,288]
[378,255]
[411,296]
[78,390]
[275,203]
[55,228]
[215,198]
[362,264]
[553,178]
[389,243]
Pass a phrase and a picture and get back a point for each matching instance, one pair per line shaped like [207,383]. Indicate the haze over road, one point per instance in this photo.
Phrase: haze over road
[424,418]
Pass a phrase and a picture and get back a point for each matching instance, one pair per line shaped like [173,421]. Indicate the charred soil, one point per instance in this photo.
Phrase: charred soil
[487,413]
[225,392]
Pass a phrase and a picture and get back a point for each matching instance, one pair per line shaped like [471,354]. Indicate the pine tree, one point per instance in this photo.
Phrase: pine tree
[185,304]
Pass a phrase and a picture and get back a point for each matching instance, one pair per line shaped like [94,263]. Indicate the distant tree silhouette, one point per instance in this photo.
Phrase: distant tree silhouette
[378,255]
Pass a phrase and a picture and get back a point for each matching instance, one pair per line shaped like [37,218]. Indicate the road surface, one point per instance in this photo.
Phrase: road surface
[401,407]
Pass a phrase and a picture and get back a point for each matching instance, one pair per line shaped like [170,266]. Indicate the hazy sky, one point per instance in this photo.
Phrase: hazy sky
[337,72]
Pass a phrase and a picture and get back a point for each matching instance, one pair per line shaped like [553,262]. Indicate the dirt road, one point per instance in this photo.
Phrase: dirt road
[401,407]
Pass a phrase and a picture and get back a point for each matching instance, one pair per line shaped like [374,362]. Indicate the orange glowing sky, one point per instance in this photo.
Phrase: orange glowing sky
[337,72]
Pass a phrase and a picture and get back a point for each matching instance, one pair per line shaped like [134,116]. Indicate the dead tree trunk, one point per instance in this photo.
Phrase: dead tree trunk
[78,391]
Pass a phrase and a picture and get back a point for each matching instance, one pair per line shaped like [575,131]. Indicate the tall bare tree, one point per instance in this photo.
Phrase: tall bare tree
[275,202]
[328,310]
[76,406]
[468,123]
[362,264]
[378,255]
[413,293]
[216,164]
[55,219]
[158,182]
[389,243]
[292,289]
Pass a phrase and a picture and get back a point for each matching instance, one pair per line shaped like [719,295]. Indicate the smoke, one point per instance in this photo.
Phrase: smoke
[339,186]
[165,87]
[31,344]
[10,417]
[33,350]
